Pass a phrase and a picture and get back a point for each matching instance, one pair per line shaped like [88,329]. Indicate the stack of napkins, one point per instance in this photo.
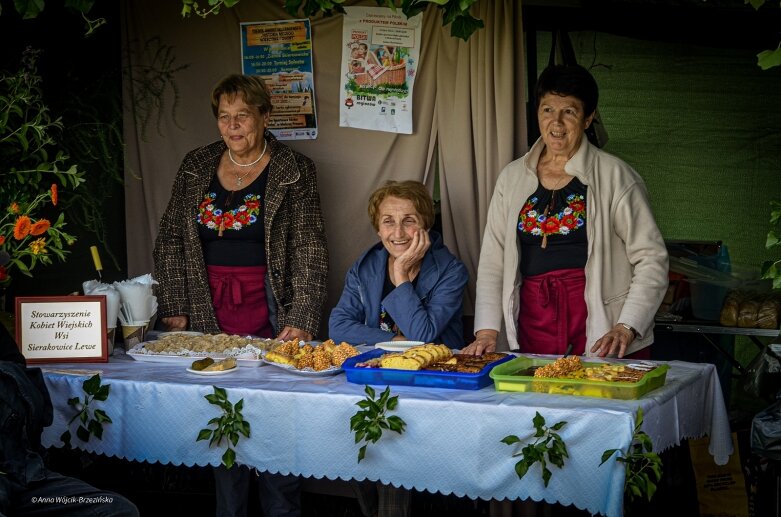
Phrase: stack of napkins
[93,287]
[137,303]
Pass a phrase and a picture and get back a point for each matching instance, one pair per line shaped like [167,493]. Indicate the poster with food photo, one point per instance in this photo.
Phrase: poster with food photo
[379,63]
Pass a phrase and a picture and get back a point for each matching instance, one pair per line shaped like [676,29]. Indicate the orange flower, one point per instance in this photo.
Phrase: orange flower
[22,227]
[14,208]
[38,246]
[54,194]
[2,240]
[40,226]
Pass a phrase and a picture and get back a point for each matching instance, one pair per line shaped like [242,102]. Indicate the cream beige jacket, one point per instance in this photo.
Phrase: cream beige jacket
[626,269]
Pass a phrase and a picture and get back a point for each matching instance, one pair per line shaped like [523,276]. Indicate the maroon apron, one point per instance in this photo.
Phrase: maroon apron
[239,299]
[553,312]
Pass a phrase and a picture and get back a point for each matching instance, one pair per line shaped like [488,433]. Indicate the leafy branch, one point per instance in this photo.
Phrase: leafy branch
[772,269]
[371,420]
[454,12]
[643,466]
[91,421]
[548,444]
[229,425]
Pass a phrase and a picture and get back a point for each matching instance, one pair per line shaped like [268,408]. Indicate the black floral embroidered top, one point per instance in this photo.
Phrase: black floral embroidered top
[557,218]
[230,224]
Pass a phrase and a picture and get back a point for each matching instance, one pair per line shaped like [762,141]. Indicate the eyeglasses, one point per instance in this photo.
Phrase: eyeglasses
[241,117]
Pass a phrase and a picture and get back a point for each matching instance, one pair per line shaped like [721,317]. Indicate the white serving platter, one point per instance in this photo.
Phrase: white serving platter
[138,354]
[306,372]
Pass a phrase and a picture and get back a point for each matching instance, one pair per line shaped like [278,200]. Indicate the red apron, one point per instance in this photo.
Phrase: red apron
[239,299]
[553,312]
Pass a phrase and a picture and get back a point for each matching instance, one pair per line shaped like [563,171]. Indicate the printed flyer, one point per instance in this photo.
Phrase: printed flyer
[379,63]
[281,53]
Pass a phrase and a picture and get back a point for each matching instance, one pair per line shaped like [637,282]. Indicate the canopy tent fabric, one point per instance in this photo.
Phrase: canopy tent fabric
[468,115]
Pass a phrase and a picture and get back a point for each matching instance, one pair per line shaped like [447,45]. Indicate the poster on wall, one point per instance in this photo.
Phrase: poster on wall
[281,53]
[379,62]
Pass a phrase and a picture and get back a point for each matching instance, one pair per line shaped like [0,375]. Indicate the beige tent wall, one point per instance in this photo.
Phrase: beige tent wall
[467,104]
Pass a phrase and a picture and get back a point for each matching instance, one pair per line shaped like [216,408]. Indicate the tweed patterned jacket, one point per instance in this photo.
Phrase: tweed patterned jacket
[296,249]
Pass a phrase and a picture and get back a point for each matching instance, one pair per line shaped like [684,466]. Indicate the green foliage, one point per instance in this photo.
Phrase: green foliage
[547,445]
[191,7]
[228,426]
[371,420]
[32,159]
[767,58]
[643,466]
[454,12]
[772,269]
[29,9]
[90,421]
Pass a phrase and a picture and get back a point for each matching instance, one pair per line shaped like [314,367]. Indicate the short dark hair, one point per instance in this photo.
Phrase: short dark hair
[410,190]
[568,80]
[251,87]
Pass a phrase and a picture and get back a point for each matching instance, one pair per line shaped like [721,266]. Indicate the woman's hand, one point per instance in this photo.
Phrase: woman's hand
[615,342]
[290,333]
[485,341]
[175,322]
[409,261]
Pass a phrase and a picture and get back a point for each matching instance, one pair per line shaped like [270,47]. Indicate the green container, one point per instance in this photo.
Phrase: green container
[513,376]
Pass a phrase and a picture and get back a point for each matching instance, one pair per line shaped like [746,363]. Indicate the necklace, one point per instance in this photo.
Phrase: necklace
[549,208]
[265,143]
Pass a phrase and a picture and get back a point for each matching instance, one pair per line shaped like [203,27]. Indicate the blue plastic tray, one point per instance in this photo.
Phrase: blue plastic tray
[428,378]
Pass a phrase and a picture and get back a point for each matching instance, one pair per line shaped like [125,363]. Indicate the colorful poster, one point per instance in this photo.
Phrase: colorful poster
[379,62]
[281,53]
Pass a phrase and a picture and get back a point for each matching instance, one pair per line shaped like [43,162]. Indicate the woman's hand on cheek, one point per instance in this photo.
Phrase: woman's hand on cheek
[411,259]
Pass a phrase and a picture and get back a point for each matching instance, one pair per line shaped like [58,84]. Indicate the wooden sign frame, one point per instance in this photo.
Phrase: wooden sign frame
[62,329]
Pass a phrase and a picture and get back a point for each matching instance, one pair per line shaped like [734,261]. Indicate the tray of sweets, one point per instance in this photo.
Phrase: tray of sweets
[606,380]
[428,378]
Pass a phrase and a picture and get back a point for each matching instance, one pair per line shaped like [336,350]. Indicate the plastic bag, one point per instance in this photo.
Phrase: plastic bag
[763,376]
[766,432]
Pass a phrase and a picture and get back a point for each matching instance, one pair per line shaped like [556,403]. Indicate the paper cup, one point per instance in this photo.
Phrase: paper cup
[134,333]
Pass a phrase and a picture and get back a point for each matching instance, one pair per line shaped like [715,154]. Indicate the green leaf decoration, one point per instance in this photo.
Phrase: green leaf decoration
[91,420]
[369,423]
[643,466]
[230,426]
[547,448]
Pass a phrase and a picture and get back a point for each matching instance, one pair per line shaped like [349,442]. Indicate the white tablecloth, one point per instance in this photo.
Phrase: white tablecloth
[300,425]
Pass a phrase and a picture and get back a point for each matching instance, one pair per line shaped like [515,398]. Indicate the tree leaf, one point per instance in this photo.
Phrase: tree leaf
[229,458]
[204,434]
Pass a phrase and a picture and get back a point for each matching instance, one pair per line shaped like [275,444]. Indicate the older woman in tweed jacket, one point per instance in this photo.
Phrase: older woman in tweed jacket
[295,243]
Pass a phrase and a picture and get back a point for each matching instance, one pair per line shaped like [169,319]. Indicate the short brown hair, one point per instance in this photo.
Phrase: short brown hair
[251,87]
[414,191]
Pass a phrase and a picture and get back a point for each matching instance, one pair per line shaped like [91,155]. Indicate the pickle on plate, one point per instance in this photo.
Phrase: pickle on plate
[202,363]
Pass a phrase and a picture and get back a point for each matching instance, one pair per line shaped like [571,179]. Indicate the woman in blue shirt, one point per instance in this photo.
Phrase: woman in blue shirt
[407,287]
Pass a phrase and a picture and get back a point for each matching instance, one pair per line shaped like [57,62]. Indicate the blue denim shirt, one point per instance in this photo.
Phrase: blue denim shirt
[430,312]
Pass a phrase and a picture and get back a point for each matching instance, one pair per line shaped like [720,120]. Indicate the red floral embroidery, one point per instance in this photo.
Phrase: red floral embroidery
[236,219]
[570,218]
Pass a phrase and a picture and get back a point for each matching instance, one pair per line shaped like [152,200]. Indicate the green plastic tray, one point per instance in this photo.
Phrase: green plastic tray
[506,377]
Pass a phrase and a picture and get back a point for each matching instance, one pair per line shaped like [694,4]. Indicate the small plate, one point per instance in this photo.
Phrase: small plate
[212,372]
[398,346]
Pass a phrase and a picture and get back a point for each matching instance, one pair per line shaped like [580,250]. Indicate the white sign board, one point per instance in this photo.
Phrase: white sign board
[62,328]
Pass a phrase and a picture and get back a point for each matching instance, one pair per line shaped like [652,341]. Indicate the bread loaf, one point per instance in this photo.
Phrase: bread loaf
[747,315]
[767,316]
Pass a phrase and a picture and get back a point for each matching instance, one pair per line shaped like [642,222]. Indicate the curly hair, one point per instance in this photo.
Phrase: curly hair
[414,191]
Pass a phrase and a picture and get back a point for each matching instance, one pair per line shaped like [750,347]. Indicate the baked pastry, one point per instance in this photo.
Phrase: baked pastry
[225,364]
